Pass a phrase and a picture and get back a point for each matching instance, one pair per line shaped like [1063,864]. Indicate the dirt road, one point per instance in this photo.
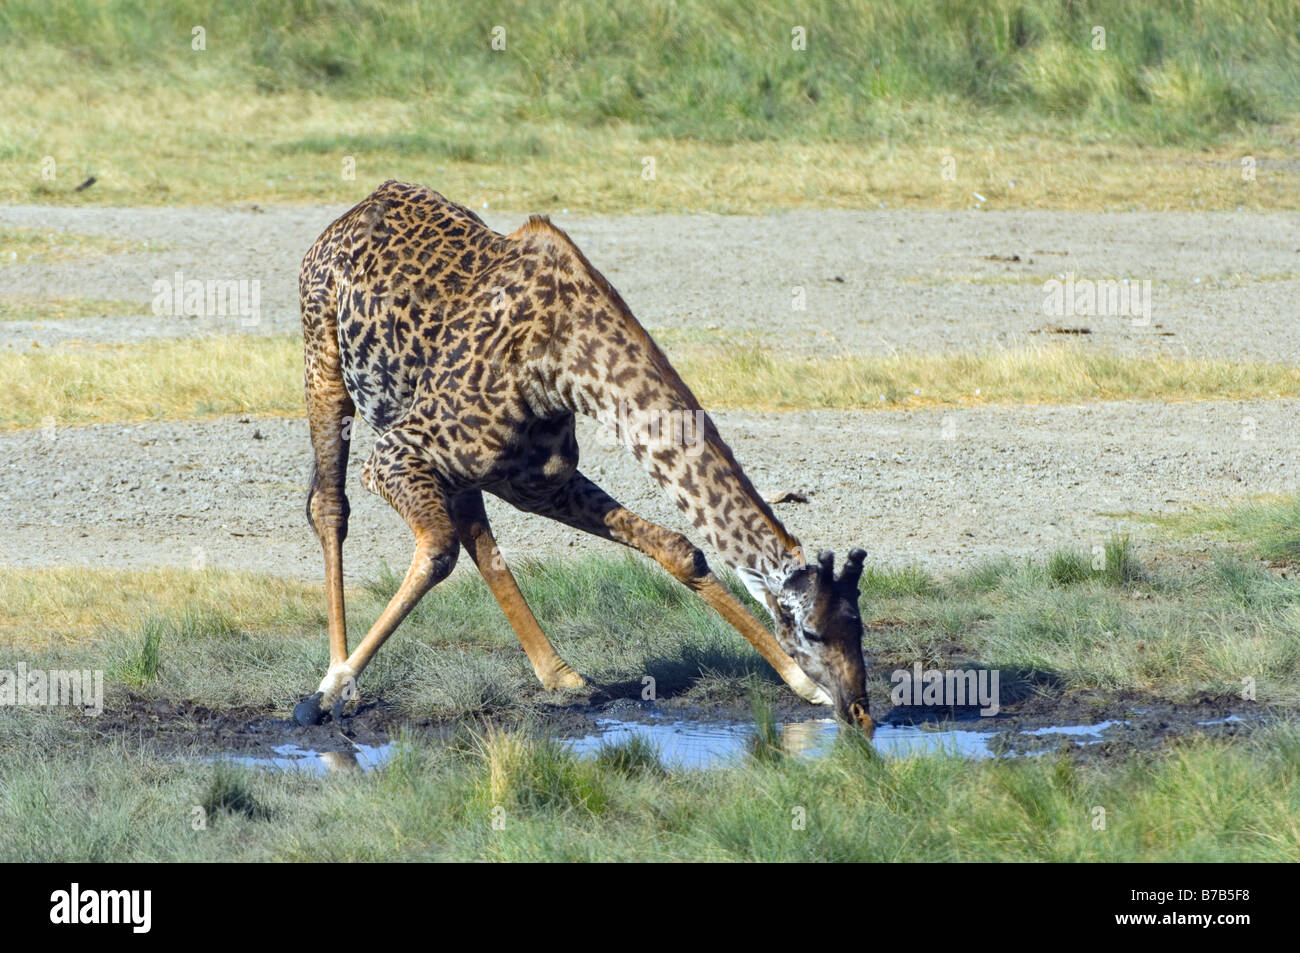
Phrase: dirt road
[904,484]
[936,487]
[1222,284]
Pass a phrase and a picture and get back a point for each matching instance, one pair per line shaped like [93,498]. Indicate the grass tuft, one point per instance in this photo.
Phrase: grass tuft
[231,792]
[633,756]
[765,745]
[1068,567]
[1122,566]
[539,775]
[141,665]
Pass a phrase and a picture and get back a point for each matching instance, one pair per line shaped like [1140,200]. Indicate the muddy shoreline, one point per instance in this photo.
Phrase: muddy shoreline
[1135,722]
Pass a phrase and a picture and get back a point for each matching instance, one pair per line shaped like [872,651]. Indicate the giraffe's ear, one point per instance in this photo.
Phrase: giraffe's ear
[755,584]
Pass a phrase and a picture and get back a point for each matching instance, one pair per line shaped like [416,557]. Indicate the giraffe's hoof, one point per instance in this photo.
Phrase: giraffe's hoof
[565,680]
[807,689]
[308,711]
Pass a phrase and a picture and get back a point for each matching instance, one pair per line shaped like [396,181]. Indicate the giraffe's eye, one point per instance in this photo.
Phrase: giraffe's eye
[810,635]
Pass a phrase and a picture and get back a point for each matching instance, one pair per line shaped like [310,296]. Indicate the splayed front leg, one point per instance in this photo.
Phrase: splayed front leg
[584,505]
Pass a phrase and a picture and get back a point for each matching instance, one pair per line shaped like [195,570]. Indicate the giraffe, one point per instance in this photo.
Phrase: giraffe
[470,353]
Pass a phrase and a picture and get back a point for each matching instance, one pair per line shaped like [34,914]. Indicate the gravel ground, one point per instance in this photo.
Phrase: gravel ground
[938,488]
[1221,283]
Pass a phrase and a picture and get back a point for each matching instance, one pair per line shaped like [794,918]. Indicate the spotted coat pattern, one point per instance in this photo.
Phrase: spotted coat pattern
[470,353]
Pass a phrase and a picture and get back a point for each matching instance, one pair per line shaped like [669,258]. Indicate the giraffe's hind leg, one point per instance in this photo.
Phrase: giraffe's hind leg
[330,412]
[329,415]
[404,479]
[471,523]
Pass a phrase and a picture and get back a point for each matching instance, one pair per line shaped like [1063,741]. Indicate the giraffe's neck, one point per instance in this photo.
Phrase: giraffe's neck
[602,363]
[642,401]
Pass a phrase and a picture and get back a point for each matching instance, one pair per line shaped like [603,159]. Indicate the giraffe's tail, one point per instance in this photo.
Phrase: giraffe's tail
[313,484]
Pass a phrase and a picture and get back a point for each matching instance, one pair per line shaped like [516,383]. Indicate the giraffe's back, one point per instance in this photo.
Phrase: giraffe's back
[381,280]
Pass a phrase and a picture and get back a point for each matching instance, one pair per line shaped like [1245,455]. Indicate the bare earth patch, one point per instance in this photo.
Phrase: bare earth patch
[937,487]
[874,282]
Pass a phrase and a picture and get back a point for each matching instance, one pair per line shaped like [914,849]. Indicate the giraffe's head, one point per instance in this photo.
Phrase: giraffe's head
[818,624]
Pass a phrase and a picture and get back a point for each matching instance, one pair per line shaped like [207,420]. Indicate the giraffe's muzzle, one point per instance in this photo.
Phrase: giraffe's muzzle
[858,712]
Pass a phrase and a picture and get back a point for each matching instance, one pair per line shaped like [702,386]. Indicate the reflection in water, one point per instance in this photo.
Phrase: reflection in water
[701,744]
[808,738]
[1075,731]
[294,758]
[693,744]
[901,741]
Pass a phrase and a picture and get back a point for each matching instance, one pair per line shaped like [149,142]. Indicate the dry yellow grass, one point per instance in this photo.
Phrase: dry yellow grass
[47,244]
[179,379]
[158,380]
[757,379]
[35,308]
[242,146]
[40,607]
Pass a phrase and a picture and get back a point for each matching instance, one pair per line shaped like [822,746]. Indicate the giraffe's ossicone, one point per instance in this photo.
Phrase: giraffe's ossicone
[470,352]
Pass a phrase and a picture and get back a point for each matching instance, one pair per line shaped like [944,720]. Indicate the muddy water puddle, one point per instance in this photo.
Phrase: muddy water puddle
[290,757]
[691,744]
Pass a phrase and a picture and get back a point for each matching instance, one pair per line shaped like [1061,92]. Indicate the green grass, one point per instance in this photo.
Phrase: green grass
[1012,91]
[1270,527]
[635,755]
[139,664]
[1114,563]
[512,797]
[496,793]
[1123,626]
[232,639]
[231,792]
[1066,567]
[721,71]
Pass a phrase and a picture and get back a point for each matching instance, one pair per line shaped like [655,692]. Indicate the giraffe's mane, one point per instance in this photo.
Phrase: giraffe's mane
[543,227]
[540,225]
